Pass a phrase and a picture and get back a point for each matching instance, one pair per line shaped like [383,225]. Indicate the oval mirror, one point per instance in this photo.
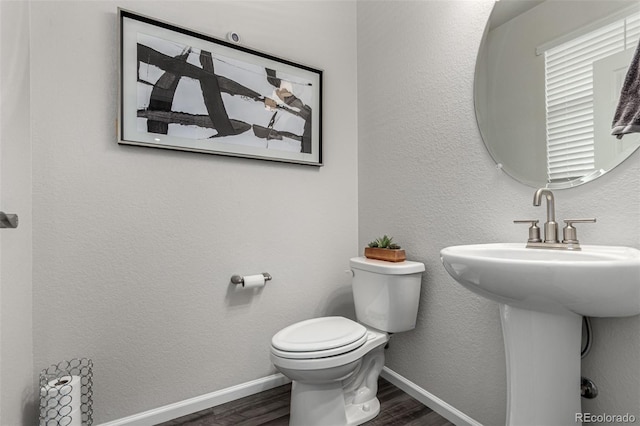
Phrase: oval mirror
[547,84]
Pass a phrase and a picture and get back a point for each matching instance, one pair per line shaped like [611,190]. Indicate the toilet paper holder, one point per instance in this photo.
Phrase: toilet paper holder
[239,279]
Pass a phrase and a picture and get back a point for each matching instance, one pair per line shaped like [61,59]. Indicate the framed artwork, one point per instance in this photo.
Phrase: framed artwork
[183,90]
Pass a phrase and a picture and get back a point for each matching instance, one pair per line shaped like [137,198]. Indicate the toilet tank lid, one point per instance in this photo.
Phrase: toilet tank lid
[388,268]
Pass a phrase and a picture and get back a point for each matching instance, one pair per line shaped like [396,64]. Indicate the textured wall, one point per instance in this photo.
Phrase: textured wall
[16,344]
[134,247]
[425,177]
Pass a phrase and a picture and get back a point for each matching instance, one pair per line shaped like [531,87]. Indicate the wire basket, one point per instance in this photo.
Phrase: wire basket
[66,397]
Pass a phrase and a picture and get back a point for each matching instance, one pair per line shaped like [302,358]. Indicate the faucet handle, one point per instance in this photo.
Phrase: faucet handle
[534,231]
[569,235]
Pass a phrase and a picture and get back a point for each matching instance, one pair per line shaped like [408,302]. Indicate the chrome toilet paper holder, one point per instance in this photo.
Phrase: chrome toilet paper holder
[239,279]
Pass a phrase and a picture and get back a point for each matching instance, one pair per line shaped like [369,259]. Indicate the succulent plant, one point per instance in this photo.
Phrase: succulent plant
[384,242]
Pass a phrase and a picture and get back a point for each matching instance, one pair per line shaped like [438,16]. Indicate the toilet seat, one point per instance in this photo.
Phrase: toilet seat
[318,338]
[373,339]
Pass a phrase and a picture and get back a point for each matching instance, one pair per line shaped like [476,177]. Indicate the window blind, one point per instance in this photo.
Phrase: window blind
[569,95]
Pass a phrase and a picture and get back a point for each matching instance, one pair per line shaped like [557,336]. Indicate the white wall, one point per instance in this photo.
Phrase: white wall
[16,349]
[422,159]
[134,247]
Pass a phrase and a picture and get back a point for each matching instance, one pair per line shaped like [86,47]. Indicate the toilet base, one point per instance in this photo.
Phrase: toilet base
[323,405]
[347,400]
[317,404]
[361,413]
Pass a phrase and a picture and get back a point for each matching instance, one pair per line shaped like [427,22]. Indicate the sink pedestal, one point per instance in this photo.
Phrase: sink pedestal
[543,366]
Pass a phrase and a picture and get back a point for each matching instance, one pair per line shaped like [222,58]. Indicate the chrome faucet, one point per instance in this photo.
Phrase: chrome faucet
[569,240]
[550,226]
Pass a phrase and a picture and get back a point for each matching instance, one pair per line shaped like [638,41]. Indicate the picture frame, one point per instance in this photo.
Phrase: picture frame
[183,90]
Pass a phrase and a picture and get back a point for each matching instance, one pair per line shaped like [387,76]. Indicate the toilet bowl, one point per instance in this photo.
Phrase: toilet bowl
[334,362]
[348,356]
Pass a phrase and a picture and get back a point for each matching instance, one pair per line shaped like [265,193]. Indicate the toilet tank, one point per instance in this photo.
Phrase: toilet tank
[386,294]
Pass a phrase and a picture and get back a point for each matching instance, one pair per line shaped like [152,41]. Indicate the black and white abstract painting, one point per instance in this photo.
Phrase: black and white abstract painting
[184,90]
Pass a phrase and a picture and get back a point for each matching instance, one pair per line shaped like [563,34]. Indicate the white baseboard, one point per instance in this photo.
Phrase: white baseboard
[203,402]
[447,411]
[199,403]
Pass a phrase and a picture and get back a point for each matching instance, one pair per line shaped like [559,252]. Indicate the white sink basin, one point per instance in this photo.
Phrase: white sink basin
[598,281]
[543,295]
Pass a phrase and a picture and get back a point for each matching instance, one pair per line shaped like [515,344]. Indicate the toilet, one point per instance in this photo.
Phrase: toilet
[334,362]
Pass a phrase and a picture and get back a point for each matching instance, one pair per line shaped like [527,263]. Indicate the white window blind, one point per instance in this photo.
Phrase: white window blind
[569,95]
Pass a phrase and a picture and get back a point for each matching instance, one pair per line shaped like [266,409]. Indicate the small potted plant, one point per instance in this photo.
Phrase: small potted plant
[384,249]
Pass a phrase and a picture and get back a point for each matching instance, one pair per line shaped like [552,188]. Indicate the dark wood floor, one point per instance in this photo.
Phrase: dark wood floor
[271,408]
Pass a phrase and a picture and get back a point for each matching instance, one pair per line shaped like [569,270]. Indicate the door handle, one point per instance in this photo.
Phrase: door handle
[8,220]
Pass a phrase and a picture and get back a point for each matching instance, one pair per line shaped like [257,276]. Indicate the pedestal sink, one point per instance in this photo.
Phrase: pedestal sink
[543,295]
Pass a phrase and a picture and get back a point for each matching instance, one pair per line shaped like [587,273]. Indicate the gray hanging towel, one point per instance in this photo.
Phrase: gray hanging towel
[627,117]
